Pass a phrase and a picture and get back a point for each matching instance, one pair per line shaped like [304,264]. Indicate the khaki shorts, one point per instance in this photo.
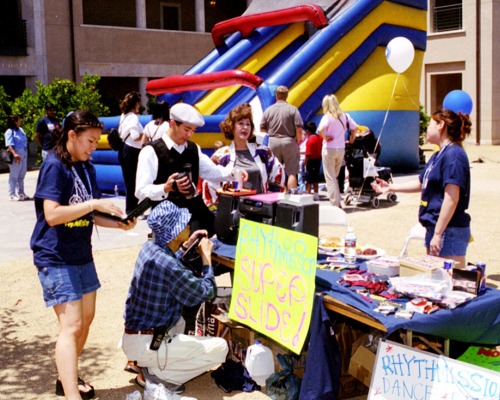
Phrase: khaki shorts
[287,151]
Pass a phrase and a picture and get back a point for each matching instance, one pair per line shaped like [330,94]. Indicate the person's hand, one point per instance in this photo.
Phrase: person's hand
[380,186]
[194,236]
[244,175]
[126,226]
[107,206]
[435,245]
[206,246]
[17,158]
[184,184]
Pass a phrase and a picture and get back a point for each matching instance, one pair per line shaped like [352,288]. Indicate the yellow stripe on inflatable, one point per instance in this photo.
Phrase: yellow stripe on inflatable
[103,142]
[215,98]
[388,13]
[205,140]
[377,77]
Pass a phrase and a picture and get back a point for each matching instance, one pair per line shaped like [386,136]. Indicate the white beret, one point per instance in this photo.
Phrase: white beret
[186,114]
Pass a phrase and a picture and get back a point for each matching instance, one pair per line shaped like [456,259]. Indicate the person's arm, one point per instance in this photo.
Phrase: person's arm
[381,186]
[216,173]
[298,135]
[352,136]
[450,202]
[57,214]
[147,170]
[9,142]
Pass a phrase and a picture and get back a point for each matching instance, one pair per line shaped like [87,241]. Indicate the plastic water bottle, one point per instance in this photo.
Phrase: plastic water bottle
[117,192]
[350,246]
[259,362]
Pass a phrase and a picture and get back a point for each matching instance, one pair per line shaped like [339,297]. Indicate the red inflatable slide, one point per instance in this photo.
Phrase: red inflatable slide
[246,24]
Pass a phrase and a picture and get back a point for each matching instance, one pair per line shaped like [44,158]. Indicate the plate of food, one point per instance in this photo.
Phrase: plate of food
[368,252]
[332,243]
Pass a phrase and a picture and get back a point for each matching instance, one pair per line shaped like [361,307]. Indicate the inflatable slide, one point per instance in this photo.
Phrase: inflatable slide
[337,48]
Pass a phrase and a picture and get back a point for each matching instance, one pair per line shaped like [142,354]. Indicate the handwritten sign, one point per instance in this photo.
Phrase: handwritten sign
[402,372]
[273,289]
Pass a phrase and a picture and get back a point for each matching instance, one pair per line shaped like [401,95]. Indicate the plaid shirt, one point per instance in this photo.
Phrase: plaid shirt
[161,286]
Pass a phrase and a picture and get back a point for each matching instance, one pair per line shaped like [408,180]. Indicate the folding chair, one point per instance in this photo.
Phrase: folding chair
[331,215]
[417,231]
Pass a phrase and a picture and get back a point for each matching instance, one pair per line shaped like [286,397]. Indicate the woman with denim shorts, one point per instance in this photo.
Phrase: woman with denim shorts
[65,200]
[445,188]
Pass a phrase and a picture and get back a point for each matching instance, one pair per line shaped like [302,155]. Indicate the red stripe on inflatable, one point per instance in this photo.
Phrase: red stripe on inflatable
[246,24]
[212,80]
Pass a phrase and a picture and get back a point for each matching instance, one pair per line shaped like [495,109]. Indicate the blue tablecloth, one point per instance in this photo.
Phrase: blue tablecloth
[477,321]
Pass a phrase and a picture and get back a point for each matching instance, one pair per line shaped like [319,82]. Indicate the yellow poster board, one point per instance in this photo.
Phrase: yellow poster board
[273,285]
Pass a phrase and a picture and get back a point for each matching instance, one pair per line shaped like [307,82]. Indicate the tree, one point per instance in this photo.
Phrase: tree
[4,111]
[64,94]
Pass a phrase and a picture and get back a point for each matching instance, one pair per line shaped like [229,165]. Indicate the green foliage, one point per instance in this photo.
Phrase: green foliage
[424,123]
[4,111]
[66,96]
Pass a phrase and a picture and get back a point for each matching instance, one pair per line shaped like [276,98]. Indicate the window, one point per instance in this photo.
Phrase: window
[13,37]
[171,17]
[447,15]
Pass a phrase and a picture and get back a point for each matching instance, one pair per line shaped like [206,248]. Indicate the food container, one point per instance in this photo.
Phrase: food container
[410,266]
[383,266]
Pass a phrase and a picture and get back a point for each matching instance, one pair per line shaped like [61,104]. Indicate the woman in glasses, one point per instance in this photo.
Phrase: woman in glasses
[445,187]
[65,200]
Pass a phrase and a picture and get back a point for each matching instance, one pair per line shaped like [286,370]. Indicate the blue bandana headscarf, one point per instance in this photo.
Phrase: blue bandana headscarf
[167,221]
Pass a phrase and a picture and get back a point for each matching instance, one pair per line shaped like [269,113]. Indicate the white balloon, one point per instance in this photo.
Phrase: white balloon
[399,54]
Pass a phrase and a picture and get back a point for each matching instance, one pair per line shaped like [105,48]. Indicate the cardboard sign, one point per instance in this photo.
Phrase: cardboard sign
[402,372]
[274,282]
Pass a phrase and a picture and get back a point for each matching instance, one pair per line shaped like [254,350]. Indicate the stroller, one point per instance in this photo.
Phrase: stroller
[361,159]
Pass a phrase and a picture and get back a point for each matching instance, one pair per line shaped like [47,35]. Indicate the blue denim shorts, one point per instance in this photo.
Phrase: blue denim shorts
[64,284]
[453,243]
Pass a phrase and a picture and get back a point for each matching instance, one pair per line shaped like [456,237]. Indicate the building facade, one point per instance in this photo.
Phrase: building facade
[463,52]
[125,43]
[129,42]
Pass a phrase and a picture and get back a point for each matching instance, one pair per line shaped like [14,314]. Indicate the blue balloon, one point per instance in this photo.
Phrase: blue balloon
[458,101]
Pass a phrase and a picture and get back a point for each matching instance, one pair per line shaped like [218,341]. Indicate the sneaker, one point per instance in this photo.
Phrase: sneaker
[173,387]
[14,198]
[154,391]
[23,197]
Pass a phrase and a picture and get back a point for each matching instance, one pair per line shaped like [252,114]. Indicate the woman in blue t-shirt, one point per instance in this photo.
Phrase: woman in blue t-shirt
[65,200]
[445,187]
[17,143]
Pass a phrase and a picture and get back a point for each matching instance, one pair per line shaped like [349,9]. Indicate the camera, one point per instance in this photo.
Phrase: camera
[187,173]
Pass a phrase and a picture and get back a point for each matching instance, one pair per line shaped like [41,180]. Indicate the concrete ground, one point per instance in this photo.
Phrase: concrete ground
[29,330]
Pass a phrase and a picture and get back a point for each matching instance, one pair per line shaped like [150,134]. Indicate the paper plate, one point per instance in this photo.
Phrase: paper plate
[380,253]
[323,244]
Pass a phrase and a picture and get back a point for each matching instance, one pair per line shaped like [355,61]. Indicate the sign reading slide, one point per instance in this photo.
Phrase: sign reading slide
[402,372]
[273,285]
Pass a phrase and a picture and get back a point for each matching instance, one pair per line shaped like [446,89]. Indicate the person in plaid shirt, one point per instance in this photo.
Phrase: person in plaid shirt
[161,286]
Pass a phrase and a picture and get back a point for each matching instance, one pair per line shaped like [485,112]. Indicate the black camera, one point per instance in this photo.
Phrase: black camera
[187,173]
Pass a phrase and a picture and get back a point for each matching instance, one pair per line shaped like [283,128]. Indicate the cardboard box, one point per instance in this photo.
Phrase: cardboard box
[362,361]
[409,266]
[239,337]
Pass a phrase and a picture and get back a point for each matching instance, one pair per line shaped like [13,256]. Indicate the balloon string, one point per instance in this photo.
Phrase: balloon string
[381,130]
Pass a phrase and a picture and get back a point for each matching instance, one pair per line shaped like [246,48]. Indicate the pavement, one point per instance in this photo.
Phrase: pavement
[18,220]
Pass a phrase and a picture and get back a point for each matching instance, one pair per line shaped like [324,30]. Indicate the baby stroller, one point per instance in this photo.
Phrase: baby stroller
[361,159]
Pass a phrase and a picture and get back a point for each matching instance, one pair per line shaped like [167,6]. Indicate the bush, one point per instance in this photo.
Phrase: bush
[424,123]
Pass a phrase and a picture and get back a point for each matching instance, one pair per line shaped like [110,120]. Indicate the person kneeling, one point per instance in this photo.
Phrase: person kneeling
[161,286]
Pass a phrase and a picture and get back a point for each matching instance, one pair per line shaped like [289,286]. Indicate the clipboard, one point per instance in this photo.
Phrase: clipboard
[141,208]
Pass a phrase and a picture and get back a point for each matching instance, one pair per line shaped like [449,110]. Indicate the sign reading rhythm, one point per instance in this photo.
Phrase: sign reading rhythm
[273,289]
[402,372]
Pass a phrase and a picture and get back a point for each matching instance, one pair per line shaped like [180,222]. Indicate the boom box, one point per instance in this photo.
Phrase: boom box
[300,218]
